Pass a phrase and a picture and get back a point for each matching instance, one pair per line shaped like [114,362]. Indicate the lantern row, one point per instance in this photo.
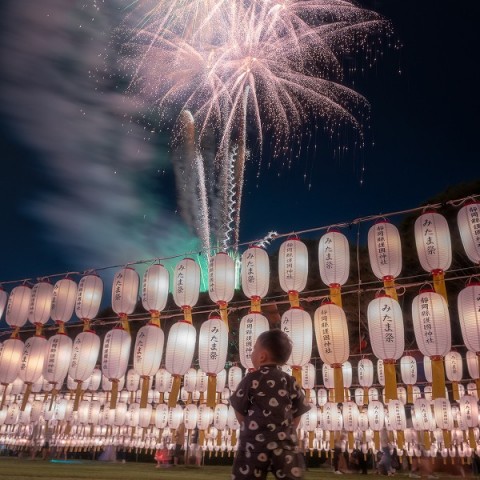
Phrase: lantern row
[432,237]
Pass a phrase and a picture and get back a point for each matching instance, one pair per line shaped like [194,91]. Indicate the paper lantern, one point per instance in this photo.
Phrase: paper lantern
[148,355]
[57,360]
[251,326]
[469,417]
[376,419]
[432,238]
[350,415]
[255,275]
[179,355]
[3,300]
[385,252]
[473,359]
[221,281]
[380,372]
[94,380]
[115,356]
[85,351]
[235,376]
[124,294]
[334,263]
[454,371]
[297,324]
[89,297]
[64,296]
[443,418]
[40,305]
[347,375]
[398,421]
[31,366]
[423,419]
[402,395]
[468,219]
[293,268]
[212,352]
[308,379]
[155,290]
[408,371]
[190,414]
[327,375]
[365,373]
[18,306]
[469,315]
[186,285]
[386,330]
[431,322]
[331,333]
[10,357]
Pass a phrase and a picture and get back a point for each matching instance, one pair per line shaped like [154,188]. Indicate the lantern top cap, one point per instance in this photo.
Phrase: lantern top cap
[255,246]
[296,308]
[214,317]
[471,201]
[383,295]
[293,237]
[382,220]
[220,253]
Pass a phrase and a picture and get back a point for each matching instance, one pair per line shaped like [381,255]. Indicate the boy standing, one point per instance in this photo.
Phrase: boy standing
[268,404]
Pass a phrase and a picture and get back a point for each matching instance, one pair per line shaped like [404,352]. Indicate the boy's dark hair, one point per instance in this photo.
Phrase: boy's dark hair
[277,343]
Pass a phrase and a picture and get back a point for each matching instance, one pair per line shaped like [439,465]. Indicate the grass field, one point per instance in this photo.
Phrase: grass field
[22,469]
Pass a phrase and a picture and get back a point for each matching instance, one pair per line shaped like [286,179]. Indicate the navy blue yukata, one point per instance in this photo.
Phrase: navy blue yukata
[269,399]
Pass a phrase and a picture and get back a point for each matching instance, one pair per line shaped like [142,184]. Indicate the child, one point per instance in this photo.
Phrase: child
[268,404]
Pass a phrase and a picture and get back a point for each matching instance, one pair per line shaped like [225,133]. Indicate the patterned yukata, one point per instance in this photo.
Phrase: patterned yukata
[269,399]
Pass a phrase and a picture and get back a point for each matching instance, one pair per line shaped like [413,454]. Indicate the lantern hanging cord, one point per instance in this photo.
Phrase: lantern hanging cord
[260,241]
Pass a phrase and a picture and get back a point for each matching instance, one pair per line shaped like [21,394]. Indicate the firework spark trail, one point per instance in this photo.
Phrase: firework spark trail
[203,56]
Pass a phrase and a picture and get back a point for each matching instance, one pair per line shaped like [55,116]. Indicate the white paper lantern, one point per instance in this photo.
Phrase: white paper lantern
[31,366]
[10,359]
[454,371]
[472,365]
[220,416]
[186,285]
[148,355]
[334,262]
[89,297]
[251,326]
[293,268]
[18,306]
[115,356]
[179,354]
[86,348]
[190,414]
[132,380]
[57,359]
[308,376]
[468,219]
[327,375]
[155,289]
[212,352]
[64,296]
[125,291]
[94,380]
[469,411]
[235,375]
[365,372]
[297,324]
[443,413]
[255,275]
[376,415]
[469,315]
[221,278]
[40,303]
[408,371]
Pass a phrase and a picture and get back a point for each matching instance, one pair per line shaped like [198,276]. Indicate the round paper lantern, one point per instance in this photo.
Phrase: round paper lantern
[347,375]
[31,366]
[469,315]
[443,418]
[308,379]
[423,419]
[221,281]
[385,252]
[148,355]
[179,355]
[454,371]
[40,305]
[432,238]
[18,306]
[85,351]
[251,326]
[473,369]
[155,290]
[350,415]
[115,355]
[10,357]
[365,373]
[297,324]
[94,380]
[431,322]
[89,297]
[398,420]
[64,296]
[331,333]
[212,352]
[125,293]
[57,360]
[408,371]
[235,376]
[186,285]
[293,268]
[469,417]
[334,263]
[380,372]
[386,330]
[255,275]
[376,419]
[327,375]
[190,414]
[468,219]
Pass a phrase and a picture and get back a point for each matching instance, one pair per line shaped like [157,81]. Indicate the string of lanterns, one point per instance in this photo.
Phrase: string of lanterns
[139,407]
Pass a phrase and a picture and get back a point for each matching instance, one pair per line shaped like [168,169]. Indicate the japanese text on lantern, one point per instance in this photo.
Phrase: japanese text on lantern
[249,337]
[387,321]
[289,260]
[180,278]
[52,355]
[381,249]
[213,342]
[250,270]
[328,254]
[475,222]
[325,331]
[140,343]
[426,319]
[118,286]
[429,237]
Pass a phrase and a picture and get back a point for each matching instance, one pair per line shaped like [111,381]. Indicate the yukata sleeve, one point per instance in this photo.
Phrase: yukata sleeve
[240,399]
[300,404]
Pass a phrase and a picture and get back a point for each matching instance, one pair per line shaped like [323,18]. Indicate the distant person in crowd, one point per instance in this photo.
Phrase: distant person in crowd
[268,404]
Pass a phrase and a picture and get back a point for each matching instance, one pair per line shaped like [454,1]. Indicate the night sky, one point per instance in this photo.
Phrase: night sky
[424,128]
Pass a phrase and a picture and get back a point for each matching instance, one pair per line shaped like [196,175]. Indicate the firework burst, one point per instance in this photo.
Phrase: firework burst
[271,65]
